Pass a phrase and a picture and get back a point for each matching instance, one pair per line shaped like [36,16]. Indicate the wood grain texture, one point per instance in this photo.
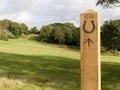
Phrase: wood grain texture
[90,51]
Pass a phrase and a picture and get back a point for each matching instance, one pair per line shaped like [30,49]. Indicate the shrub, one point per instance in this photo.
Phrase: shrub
[3,37]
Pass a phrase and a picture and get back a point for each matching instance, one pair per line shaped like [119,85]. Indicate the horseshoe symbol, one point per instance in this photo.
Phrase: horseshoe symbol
[89,31]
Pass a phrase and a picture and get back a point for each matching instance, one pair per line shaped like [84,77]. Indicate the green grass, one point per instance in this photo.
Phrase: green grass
[30,65]
[39,65]
[110,72]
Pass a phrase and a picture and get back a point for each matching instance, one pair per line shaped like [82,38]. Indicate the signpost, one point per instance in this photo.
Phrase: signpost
[90,51]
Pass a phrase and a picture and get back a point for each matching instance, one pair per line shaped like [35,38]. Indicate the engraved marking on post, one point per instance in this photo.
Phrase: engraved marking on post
[89,41]
[89,16]
[89,31]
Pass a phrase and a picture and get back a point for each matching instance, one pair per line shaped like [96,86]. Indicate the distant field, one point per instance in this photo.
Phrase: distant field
[30,65]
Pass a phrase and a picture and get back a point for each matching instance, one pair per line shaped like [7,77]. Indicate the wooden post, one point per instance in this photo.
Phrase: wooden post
[90,51]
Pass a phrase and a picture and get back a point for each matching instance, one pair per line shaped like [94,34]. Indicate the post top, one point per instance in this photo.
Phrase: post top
[89,11]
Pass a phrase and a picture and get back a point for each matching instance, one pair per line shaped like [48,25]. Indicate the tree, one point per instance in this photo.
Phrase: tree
[24,28]
[34,30]
[109,3]
[15,29]
[60,33]
[59,36]
[5,24]
[44,34]
[110,35]
[68,28]
[76,37]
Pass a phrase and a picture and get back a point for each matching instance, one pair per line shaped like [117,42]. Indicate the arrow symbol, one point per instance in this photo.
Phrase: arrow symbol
[89,41]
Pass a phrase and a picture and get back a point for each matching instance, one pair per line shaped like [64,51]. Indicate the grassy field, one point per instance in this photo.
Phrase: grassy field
[30,65]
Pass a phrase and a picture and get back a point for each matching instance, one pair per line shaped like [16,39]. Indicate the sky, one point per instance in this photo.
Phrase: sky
[43,12]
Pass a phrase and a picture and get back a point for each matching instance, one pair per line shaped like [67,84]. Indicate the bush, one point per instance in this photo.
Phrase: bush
[103,50]
[11,36]
[4,37]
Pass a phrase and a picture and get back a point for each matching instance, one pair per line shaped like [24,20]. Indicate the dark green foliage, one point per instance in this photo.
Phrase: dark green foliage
[45,34]
[4,24]
[33,30]
[15,29]
[76,37]
[109,3]
[68,30]
[60,33]
[3,37]
[110,34]
[18,29]
[24,28]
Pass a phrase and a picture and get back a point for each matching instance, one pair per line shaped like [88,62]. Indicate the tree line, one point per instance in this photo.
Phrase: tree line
[14,29]
[62,33]
[11,29]
[57,33]
[110,35]
[68,34]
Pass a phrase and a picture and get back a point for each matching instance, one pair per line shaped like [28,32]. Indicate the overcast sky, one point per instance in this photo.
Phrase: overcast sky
[43,12]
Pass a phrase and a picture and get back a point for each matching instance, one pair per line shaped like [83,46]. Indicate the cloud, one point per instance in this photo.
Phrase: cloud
[42,12]
[23,17]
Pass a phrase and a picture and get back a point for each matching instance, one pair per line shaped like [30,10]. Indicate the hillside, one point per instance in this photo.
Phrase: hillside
[31,65]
